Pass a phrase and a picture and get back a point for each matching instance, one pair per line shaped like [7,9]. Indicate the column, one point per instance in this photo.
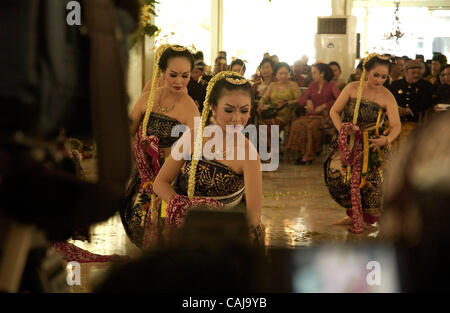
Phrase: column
[342,7]
[216,28]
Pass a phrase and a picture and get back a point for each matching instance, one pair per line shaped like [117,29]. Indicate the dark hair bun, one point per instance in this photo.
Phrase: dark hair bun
[325,69]
[377,60]
[266,60]
[224,84]
[171,53]
[281,65]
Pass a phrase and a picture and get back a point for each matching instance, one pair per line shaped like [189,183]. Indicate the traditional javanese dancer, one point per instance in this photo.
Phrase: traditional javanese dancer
[153,117]
[216,171]
[353,169]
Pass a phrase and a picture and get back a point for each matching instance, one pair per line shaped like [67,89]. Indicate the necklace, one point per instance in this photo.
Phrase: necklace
[164,109]
[218,154]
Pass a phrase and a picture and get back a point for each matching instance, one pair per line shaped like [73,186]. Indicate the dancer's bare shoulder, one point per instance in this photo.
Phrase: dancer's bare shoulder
[188,106]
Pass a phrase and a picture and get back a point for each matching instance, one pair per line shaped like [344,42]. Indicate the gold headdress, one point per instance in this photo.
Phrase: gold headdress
[236,81]
[178,48]
[230,77]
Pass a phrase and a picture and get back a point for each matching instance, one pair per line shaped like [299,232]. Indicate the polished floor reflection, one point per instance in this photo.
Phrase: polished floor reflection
[297,212]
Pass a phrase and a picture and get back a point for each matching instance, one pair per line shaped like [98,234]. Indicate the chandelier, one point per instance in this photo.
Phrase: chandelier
[396,32]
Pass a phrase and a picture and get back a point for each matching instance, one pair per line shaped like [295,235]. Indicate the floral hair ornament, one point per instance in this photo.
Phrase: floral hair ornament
[236,81]
[178,48]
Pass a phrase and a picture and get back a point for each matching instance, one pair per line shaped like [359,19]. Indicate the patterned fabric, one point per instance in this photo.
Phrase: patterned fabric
[137,198]
[305,135]
[327,96]
[179,206]
[284,115]
[417,97]
[213,179]
[161,125]
[176,214]
[353,158]
[147,161]
[70,252]
[339,188]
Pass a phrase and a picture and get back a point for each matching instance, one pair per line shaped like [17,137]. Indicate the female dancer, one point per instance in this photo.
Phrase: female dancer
[154,115]
[353,172]
[221,176]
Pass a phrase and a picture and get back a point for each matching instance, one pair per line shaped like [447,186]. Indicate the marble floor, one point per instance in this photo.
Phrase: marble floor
[297,212]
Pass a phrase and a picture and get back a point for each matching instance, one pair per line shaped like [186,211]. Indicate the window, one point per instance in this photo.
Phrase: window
[284,28]
[186,23]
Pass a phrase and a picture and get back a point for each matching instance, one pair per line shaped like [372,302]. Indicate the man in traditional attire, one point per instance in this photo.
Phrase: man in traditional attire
[413,95]
[197,84]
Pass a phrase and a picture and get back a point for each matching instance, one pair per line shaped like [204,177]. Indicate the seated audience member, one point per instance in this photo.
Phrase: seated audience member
[413,95]
[397,69]
[197,84]
[305,134]
[356,76]
[238,66]
[298,75]
[442,91]
[222,54]
[307,69]
[275,59]
[220,64]
[261,83]
[438,61]
[428,66]
[198,56]
[280,98]
[336,68]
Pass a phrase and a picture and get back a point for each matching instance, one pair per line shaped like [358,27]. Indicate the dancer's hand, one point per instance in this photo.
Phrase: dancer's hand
[281,103]
[320,108]
[378,142]
[353,129]
[309,106]
[157,202]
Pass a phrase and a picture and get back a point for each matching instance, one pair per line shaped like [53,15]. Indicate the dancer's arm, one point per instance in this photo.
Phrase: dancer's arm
[266,98]
[306,96]
[163,182]
[172,166]
[253,187]
[190,112]
[296,91]
[340,104]
[394,122]
[138,111]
